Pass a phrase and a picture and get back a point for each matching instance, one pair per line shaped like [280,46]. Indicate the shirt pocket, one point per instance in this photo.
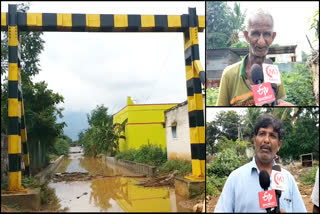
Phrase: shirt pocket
[286,202]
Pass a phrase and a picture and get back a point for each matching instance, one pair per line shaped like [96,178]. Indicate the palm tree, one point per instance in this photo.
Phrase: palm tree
[237,20]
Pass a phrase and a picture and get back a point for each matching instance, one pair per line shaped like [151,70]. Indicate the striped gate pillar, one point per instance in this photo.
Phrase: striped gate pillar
[195,76]
[14,106]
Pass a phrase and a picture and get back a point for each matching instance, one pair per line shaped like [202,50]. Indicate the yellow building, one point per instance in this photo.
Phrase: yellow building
[145,124]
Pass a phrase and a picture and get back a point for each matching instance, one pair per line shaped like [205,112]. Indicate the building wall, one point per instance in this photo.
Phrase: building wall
[216,61]
[145,125]
[179,147]
[143,134]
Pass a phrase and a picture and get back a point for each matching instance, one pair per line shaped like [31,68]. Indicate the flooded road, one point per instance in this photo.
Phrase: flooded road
[110,194]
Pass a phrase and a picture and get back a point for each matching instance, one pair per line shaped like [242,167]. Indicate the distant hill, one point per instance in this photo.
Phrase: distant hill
[76,121]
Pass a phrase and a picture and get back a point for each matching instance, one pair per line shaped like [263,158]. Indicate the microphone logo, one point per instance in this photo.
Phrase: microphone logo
[267,197]
[278,178]
[271,71]
[262,90]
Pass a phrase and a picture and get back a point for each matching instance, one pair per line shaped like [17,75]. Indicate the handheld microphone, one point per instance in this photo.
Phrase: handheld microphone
[274,88]
[262,92]
[273,85]
[277,184]
[257,74]
[264,181]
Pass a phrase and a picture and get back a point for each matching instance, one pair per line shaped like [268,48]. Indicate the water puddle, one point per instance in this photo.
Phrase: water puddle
[110,194]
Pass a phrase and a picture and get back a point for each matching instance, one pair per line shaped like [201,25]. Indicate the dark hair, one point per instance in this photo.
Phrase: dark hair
[267,120]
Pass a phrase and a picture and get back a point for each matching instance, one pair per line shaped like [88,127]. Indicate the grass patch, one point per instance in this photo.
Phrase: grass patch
[309,177]
[183,167]
[148,154]
[53,157]
[4,183]
[214,184]
[49,200]
[47,194]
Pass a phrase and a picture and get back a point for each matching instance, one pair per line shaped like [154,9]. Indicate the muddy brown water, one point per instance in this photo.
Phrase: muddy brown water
[110,194]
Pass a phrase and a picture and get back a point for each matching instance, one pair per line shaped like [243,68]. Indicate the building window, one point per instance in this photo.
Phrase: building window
[174,131]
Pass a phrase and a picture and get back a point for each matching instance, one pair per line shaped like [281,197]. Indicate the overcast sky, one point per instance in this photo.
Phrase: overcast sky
[291,21]
[89,69]
[211,112]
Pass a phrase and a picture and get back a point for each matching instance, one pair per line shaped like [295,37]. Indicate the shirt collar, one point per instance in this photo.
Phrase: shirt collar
[243,67]
[253,165]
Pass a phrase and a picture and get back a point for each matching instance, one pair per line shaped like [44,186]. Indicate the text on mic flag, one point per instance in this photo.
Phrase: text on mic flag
[271,73]
[268,199]
[278,180]
[262,93]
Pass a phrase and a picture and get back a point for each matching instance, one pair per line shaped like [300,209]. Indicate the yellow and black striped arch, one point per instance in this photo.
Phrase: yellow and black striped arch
[194,75]
[101,22]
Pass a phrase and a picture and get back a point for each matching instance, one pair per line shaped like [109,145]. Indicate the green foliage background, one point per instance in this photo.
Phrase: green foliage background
[100,137]
[298,85]
[230,155]
[40,103]
[148,154]
[223,24]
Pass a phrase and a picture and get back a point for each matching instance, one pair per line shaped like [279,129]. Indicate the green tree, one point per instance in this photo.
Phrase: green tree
[218,24]
[302,134]
[250,120]
[228,121]
[98,116]
[101,137]
[212,135]
[223,24]
[240,44]
[237,23]
[40,103]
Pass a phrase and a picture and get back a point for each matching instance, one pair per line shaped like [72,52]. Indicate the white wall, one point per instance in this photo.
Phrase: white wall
[179,147]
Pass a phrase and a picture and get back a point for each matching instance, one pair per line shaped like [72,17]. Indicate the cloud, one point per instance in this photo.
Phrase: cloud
[89,69]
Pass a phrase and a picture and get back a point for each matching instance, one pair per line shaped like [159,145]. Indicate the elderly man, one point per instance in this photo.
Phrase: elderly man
[240,192]
[236,81]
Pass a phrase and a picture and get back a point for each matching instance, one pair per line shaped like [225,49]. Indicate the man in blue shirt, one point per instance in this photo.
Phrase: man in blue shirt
[240,192]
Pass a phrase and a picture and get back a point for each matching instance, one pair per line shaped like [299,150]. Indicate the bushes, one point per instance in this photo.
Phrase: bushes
[148,154]
[183,167]
[154,155]
[309,178]
[214,184]
[61,147]
[47,194]
[212,96]
[225,162]
[298,86]
[231,156]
